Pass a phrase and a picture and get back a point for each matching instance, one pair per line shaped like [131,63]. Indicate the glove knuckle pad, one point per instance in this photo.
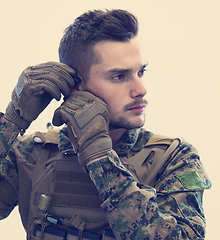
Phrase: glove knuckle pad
[88,113]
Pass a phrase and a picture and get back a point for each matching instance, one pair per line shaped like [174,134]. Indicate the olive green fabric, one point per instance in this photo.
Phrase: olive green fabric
[191,180]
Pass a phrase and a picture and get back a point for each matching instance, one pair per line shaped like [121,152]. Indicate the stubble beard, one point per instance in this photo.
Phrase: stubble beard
[122,122]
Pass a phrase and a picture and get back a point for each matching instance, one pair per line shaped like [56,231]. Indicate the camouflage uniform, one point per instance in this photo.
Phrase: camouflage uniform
[170,210]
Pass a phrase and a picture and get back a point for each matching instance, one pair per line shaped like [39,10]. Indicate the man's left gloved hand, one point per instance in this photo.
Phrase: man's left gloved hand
[87,120]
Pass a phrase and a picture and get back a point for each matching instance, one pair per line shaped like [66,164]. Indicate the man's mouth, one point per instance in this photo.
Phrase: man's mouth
[137,107]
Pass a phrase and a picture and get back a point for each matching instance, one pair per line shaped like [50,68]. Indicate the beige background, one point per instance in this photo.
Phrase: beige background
[181,43]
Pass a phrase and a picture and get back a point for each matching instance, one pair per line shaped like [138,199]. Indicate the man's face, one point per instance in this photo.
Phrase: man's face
[117,79]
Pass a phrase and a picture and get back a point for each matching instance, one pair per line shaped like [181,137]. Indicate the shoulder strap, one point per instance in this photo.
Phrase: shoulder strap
[148,163]
[50,140]
[39,170]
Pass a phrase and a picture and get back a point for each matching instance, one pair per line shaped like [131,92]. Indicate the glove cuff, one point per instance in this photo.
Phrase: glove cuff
[12,116]
[100,147]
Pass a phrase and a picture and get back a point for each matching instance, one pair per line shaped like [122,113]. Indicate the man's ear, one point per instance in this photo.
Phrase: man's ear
[79,86]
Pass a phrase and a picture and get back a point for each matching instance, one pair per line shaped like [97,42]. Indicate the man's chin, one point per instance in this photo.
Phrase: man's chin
[126,124]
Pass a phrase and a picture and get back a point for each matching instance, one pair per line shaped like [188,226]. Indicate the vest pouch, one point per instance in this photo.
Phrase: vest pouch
[49,233]
[73,234]
[52,233]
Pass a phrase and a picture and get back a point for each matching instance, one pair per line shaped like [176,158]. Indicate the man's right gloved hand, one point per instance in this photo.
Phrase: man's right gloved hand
[36,87]
[87,120]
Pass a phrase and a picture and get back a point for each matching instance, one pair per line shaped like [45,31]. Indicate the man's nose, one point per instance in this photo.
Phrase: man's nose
[138,90]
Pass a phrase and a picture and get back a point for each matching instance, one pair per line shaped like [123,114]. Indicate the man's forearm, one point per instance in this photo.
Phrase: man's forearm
[131,208]
[8,133]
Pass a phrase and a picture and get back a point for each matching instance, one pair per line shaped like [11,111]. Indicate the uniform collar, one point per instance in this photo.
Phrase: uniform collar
[130,139]
[64,144]
[127,141]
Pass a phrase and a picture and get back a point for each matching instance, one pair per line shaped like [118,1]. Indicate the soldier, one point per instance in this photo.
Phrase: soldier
[119,190]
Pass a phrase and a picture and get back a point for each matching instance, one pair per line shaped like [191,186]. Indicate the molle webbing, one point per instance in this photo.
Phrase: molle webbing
[74,189]
[72,186]
[73,195]
[70,192]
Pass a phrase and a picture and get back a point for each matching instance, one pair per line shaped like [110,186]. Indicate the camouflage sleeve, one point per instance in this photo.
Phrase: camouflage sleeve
[171,210]
[8,133]
[8,196]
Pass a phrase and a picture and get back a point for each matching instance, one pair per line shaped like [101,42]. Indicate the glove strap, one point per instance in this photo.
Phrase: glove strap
[12,116]
[100,147]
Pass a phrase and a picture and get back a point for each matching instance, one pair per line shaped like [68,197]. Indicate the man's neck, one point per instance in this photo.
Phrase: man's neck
[116,134]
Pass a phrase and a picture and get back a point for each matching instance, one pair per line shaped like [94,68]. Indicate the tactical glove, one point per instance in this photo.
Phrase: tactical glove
[87,119]
[36,87]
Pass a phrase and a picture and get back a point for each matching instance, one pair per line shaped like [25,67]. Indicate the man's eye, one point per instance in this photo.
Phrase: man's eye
[141,73]
[118,77]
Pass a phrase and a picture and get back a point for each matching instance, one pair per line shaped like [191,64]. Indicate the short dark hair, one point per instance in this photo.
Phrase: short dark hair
[76,46]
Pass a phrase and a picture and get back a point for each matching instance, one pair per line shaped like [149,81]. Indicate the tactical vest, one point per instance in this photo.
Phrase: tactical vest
[65,204]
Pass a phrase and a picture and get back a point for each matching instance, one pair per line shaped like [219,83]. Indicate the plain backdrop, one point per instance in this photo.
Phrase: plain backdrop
[180,41]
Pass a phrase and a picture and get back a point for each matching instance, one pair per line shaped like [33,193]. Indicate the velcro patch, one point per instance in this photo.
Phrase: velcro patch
[191,180]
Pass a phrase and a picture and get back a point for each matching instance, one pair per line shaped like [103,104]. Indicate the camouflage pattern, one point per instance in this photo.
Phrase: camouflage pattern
[170,210]
[8,133]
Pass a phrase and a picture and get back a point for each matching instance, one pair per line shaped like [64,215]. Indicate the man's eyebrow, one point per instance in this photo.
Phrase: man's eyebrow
[119,70]
[126,70]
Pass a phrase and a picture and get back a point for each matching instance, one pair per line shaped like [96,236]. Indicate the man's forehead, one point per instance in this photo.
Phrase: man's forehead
[119,53]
